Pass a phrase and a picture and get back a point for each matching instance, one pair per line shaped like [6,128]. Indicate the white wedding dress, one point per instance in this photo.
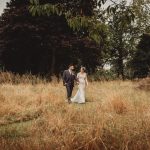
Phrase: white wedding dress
[80,95]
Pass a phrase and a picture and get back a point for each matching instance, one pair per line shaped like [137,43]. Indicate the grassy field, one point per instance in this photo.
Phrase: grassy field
[35,117]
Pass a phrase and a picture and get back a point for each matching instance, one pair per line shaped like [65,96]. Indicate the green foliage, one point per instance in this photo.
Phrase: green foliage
[142,10]
[120,25]
[141,60]
[78,21]
[38,35]
[46,9]
[42,44]
[104,75]
[93,27]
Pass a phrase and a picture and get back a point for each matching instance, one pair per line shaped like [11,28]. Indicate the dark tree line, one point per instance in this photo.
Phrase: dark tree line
[42,44]
[44,36]
[141,59]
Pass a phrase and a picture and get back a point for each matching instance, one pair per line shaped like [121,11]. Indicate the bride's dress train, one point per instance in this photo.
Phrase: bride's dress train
[80,95]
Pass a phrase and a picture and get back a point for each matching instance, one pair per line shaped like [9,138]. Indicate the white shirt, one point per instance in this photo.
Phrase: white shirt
[70,71]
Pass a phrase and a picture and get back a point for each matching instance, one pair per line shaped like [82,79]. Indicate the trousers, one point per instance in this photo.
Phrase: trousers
[69,91]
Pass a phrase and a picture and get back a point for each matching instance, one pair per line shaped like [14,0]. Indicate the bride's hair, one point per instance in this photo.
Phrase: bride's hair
[84,69]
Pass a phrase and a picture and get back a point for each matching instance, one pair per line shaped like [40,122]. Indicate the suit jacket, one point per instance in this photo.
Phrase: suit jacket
[68,78]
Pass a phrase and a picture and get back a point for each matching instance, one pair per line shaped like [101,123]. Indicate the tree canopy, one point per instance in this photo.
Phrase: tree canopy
[42,44]
[44,36]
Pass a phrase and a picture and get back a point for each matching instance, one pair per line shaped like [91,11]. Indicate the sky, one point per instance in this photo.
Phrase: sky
[108,2]
[3,4]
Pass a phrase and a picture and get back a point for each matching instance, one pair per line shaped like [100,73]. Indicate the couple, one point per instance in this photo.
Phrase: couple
[68,80]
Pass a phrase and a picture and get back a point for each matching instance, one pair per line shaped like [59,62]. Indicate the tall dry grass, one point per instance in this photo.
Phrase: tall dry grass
[35,117]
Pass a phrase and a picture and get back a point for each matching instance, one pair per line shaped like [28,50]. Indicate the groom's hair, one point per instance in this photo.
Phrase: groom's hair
[70,65]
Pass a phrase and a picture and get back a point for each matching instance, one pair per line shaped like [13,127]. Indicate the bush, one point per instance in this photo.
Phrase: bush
[102,74]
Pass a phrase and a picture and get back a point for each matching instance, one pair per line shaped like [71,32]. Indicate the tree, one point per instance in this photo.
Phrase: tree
[142,15]
[140,26]
[80,14]
[141,60]
[42,44]
[120,25]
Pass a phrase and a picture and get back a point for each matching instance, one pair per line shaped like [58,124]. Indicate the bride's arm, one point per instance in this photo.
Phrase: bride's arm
[77,78]
[86,80]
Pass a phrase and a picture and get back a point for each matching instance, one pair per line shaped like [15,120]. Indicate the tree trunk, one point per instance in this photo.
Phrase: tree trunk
[120,59]
[52,71]
[120,64]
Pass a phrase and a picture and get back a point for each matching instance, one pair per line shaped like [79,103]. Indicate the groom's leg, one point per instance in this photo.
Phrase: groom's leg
[68,92]
[71,89]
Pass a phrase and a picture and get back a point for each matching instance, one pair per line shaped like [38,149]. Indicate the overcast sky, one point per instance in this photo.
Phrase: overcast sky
[3,4]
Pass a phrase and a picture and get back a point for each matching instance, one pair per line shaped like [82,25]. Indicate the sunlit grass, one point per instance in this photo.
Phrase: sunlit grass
[35,116]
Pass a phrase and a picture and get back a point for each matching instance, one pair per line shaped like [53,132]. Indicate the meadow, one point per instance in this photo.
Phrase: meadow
[34,116]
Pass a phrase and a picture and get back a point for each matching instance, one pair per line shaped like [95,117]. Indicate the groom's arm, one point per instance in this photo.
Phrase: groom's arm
[76,78]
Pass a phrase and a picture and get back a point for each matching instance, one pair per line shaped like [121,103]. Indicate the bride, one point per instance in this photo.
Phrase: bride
[83,82]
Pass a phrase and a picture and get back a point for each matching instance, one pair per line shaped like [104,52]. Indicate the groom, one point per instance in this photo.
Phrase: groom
[68,81]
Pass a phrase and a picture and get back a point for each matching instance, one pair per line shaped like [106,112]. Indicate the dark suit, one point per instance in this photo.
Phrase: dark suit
[68,81]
